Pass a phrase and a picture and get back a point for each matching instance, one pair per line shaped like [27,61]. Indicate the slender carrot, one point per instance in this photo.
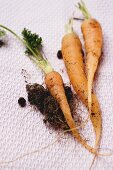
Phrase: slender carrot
[93,38]
[53,80]
[73,59]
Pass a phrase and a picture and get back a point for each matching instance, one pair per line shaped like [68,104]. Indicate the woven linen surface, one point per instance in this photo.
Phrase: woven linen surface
[22,129]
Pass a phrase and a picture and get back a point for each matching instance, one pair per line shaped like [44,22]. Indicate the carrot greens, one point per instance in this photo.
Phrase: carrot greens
[82,7]
[32,42]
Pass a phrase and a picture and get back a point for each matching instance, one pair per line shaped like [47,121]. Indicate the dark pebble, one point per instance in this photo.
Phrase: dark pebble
[22,102]
[59,54]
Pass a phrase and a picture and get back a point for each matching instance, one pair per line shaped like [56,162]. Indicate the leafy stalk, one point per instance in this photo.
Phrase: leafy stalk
[33,40]
[29,41]
[82,7]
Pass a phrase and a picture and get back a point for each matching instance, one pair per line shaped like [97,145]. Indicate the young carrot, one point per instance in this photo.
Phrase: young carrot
[93,38]
[73,59]
[53,80]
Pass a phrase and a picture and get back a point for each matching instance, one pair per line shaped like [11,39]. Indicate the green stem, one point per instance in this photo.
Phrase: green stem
[41,62]
[82,7]
[69,26]
[2,33]
[37,52]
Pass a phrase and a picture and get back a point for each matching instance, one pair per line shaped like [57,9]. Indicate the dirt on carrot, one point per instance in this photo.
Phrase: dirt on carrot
[43,101]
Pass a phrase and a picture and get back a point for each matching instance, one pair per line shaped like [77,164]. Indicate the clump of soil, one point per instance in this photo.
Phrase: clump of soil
[48,106]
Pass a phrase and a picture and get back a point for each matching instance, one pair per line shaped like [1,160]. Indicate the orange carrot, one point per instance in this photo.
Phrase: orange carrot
[92,34]
[54,83]
[73,59]
[93,38]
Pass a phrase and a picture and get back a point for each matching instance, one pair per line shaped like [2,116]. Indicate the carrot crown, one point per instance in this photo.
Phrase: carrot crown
[82,7]
[69,26]
[32,42]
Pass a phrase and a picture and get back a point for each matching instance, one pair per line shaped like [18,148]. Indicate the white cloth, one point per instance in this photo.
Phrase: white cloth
[22,129]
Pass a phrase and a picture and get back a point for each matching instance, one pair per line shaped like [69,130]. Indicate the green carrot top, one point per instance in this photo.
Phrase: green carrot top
[82,7]
[33,44]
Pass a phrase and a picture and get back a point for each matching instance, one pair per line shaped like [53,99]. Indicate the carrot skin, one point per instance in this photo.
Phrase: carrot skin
[91,67]
[93,38]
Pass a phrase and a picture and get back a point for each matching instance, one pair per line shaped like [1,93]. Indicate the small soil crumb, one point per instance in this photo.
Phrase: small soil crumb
[48,106]
[62,71]
[59,54]
[93,114]
[82,52]
[25,75]
[22,102]
[1,43]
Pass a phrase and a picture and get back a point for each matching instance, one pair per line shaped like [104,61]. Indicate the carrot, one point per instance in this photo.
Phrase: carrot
[93,38]
[73,59]
[54,83]
[53,80]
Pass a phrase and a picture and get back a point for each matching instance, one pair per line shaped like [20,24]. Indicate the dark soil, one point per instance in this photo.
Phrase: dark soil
[48,106]
[1,43]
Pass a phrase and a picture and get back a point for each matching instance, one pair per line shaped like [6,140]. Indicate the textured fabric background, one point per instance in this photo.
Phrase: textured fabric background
[22,129]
